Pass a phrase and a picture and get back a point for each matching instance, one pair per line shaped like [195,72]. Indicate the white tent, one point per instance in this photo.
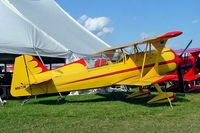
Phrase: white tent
[43,27]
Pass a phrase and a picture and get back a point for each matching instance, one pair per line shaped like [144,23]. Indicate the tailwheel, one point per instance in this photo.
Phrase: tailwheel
[140,94]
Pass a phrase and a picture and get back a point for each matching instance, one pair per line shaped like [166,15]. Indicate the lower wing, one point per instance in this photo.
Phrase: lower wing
[146,81]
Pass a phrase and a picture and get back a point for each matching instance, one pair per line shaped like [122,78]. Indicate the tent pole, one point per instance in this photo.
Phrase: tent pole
[38,55]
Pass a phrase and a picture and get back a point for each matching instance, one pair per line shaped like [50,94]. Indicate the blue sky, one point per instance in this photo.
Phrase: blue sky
[131,20]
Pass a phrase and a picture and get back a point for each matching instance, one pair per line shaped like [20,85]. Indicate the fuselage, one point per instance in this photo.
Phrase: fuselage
[76,76]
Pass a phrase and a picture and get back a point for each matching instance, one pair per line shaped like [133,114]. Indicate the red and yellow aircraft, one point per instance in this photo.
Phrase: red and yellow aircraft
[140,68]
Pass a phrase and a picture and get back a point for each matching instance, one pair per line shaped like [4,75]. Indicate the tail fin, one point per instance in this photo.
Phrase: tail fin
[24,68]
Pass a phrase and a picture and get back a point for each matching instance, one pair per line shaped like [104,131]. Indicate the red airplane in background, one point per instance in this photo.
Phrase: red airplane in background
[187,75]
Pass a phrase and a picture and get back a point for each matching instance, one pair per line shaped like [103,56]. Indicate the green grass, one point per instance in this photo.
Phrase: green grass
[101,113]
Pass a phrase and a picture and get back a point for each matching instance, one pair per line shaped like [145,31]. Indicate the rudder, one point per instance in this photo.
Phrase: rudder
[25,68]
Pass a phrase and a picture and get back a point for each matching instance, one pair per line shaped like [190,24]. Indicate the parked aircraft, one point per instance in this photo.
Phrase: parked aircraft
[149,66]
[188,73]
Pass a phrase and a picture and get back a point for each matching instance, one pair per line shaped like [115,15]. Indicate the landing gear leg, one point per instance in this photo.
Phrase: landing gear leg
[140,94]
[2,102]
[61,97]
[25,100]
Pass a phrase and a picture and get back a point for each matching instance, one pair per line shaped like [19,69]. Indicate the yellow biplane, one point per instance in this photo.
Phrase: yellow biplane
[139,68]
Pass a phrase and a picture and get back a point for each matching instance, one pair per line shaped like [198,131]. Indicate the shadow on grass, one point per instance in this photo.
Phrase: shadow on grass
[51,102]
[141,101]
[115,96]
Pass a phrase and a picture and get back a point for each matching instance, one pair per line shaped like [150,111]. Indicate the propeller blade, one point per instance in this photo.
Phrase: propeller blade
[180,78]
[185,49]
[179,70]
[198,63]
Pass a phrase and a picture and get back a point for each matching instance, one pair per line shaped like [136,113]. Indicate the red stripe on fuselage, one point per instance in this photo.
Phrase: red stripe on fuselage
[121,71]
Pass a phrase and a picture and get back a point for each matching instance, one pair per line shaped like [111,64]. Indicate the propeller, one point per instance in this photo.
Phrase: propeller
[179,70]
[185,49]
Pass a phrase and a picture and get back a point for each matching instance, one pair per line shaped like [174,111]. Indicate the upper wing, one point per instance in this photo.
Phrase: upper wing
[191,50]
[152,77]
[161,38]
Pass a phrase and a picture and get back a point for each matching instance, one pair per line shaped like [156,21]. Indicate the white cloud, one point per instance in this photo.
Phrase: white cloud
[195,21]
[82,18]
[99,25]
[104,31]
[94,24]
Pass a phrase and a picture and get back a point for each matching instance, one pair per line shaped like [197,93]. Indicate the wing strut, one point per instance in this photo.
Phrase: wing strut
[143,64]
